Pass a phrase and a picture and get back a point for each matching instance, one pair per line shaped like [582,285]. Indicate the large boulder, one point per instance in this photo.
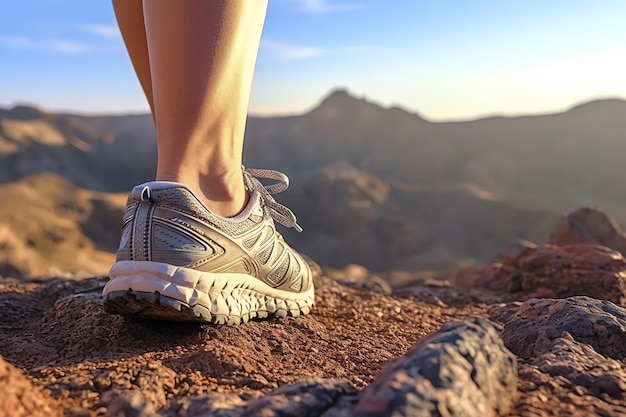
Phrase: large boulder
[591,226]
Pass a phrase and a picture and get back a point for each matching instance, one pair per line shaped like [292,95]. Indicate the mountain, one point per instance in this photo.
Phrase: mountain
[378,186]
[557,161]
[85,150]
[350,216]
[47,224]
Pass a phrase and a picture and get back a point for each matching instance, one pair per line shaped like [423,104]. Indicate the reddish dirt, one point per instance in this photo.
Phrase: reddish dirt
[58,334]
[62,353]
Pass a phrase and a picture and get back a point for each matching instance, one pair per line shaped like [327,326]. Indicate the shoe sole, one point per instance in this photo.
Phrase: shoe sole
[159,291]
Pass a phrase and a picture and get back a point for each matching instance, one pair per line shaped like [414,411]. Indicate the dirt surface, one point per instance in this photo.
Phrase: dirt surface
[61,353]
[59,335]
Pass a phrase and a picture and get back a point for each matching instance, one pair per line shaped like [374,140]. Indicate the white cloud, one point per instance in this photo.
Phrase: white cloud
[15,41]
[321,6]
[65,46]
[108,34]
[285,52]
[104,31]
[53,45]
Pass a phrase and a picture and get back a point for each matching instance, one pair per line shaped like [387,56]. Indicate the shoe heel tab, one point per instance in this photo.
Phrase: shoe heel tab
[142,193]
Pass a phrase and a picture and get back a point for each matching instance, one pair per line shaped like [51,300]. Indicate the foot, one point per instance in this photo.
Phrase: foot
[179,261]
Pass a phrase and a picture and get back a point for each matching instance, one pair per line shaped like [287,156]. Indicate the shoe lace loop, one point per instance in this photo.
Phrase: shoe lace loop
[277,211]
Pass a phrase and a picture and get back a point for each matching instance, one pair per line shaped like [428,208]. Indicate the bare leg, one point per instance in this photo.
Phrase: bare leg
[129,14]
[197,74]
[202,56]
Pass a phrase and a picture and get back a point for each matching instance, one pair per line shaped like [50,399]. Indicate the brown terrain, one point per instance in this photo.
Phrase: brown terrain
[451,283]
[54,227]
[538,333]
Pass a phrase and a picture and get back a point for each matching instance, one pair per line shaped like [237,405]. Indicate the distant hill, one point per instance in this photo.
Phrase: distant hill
[48,225]
[557,161]
[350,216]
[451,191]
[554,161]
[85,150]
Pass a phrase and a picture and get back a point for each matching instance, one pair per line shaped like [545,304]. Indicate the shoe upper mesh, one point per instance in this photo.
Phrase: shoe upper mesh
[165,238]
[183,200]
[249,243]
[240,267]
[295,271]
[278,274]
[269,234]
[263,255]
[295,279]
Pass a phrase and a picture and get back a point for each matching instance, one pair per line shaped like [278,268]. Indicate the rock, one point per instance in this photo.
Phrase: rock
[572,354]
[57,331]
[555,272]
[504,312]
[19,398]
[306,398]
[583,366]
[215,404]
[74,359]
[515,248]
[538,322]
[128,405]
[463,368]
[589,226]
[310,398]
[357,276]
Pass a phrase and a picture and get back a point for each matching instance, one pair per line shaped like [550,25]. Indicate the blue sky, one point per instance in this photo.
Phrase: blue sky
[446,59]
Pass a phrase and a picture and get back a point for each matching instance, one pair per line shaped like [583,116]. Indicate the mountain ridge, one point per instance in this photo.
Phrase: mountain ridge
[468,179]
[332,95]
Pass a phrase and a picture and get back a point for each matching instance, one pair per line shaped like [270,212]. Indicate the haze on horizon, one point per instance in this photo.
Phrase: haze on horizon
[443,60]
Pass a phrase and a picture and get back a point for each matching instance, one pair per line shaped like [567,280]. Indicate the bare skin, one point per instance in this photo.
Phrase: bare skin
[200,61]
[129,14]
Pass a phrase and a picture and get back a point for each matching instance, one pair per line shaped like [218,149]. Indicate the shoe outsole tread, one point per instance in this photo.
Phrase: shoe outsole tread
[155,306]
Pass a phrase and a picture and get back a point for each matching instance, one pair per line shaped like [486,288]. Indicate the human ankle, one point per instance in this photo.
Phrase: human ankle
[226,195]
[223,193]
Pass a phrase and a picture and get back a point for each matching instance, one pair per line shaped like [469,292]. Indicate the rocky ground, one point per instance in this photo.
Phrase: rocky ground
[539,332]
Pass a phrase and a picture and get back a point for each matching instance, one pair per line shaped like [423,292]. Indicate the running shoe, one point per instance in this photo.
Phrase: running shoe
[178,261]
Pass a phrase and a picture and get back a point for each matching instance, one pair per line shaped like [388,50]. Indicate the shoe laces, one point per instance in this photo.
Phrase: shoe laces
[277,211]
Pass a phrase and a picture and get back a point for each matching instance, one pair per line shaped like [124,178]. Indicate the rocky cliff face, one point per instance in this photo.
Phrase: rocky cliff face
[433,348]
